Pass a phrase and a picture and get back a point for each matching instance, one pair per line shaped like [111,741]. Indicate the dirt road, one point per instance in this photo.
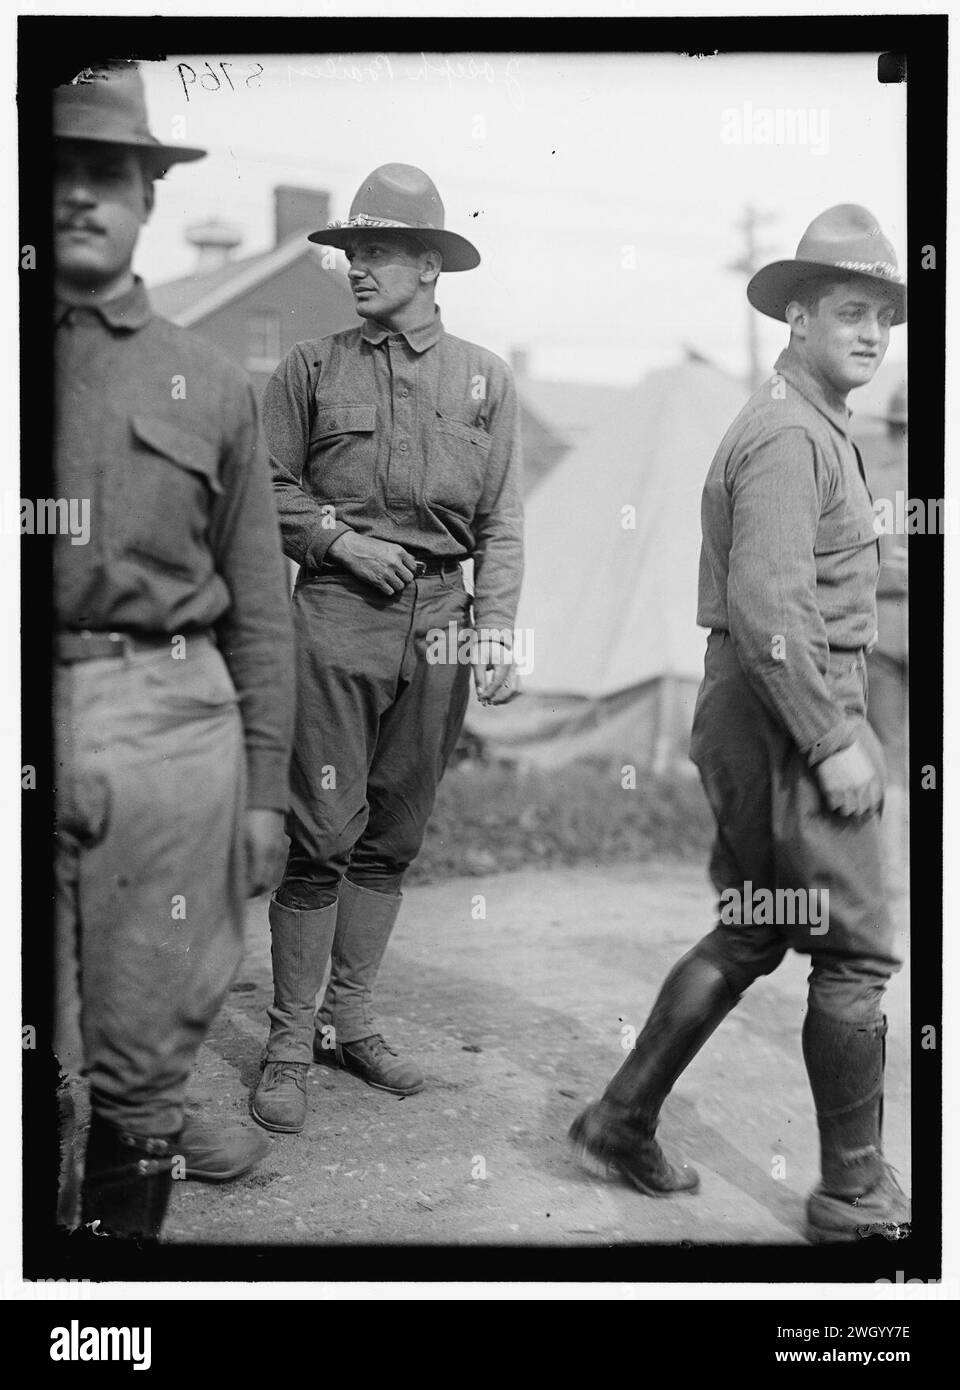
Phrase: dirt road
[517,1019]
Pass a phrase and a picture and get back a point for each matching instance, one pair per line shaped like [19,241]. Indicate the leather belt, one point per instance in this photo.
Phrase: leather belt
[70,647]
[436,565]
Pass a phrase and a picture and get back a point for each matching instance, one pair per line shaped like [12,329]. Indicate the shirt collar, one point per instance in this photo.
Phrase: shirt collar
[128,312]
[419,338]
[836,411]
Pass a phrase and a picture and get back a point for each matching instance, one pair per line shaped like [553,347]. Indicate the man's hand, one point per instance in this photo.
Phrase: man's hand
[494,674]
[850,782]
[266,847]
[385,565]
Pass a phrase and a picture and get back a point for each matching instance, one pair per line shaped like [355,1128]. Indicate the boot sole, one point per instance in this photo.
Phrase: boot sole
[194,1174]
[641,1186]
[390,1090]
[274,1129]
[818,1235]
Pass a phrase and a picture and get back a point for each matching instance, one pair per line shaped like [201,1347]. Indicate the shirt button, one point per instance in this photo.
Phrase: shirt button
[404,392]
[403,448]
[331,423]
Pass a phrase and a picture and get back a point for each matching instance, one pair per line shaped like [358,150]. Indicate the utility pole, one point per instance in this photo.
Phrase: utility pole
[750,262]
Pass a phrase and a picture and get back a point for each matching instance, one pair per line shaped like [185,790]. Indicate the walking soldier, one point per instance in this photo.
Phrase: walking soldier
[792,770]
[395,455]
[173,693]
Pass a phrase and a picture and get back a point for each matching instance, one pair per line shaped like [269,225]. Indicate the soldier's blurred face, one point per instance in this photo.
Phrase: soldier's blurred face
[847,334]
[386,277]
[102,197]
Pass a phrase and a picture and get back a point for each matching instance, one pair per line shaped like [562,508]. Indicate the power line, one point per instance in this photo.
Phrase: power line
[748,264]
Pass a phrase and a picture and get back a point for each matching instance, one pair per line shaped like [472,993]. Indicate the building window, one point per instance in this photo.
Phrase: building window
[263,340]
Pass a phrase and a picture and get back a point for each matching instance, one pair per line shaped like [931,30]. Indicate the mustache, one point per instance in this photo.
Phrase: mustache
[77,224]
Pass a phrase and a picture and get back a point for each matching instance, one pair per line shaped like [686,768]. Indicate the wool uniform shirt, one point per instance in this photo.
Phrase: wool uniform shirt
[789,559]
[160,434]
[408,437]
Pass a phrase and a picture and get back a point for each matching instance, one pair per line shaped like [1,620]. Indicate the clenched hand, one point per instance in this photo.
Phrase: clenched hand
[850,781]
[384,564]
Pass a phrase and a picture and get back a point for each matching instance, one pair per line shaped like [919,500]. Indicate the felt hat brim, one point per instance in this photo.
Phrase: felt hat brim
[458,253]
[775,285]
[162,155]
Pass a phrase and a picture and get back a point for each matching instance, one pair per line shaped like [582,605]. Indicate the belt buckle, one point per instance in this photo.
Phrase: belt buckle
[119,640]
[419,567]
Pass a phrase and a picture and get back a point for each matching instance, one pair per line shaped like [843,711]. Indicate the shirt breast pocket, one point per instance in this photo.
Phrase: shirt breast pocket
[343,451]
[170,490]
[462,454]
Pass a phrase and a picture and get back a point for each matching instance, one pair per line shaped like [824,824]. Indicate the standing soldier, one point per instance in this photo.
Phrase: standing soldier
[793,772]
[173,657]
[395,455]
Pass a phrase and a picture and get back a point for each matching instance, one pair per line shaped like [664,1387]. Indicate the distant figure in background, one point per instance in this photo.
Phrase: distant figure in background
[792,770]
[173,679]
[887,697]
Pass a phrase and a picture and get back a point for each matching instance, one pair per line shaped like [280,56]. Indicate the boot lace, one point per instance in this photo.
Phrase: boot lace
[289,1071]
[376,1047]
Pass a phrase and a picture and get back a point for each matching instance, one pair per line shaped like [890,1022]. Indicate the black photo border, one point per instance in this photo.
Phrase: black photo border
[52,48]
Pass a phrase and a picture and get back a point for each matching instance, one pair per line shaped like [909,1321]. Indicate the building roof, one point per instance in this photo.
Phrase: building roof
[191,298]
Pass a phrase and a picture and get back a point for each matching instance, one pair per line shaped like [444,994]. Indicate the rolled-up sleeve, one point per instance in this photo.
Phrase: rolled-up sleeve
[255,635]
[778,493]
[308,525]
[498,521]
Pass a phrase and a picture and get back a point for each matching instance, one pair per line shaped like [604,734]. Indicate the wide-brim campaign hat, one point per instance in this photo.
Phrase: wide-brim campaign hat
[107,105]
[400,198]
[845,238]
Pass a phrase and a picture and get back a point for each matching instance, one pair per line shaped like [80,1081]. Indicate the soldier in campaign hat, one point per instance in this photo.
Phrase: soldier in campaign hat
[792,770]
[173,691]
[395,455]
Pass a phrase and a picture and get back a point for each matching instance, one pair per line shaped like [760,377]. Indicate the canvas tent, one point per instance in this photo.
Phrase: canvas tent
[610,589]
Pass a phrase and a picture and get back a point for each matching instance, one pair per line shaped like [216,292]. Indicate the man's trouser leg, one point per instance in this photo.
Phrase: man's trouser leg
[150,903]
[888,712]
[853,956]
[889,715]
[376,724]
[415,740]
[832,907]
[772,832]
[618,1132]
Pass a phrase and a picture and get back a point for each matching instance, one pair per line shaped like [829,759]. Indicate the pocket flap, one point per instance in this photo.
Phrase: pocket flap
[344,419]
[449,425]
[180,446]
